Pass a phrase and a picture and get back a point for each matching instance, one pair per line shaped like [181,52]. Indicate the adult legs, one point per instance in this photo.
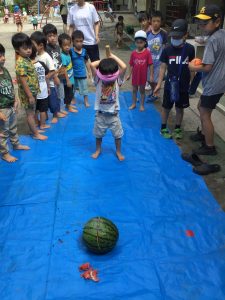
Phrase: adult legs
[207,125]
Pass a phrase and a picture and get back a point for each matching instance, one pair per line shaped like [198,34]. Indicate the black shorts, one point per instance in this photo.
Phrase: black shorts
[69,94]
[92,51]
[64,19]
[210,101]
[42,105]
[182,103]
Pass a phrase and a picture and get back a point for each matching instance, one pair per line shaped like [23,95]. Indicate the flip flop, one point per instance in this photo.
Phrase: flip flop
[206,169]
[192,158]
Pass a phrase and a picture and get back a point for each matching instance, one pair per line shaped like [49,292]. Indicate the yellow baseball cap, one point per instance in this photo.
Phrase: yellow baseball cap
[209,12]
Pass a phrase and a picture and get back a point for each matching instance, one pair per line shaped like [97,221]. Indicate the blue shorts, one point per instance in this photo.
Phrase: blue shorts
[53,101]
[81,85]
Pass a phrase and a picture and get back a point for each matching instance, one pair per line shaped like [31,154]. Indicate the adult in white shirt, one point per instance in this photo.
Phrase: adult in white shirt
[83,16]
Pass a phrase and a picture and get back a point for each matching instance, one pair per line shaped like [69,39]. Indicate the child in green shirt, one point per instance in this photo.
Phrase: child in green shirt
[8,124]
[27,79]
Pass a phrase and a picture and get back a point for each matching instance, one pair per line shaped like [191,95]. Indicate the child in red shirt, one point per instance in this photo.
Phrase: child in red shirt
[140,60]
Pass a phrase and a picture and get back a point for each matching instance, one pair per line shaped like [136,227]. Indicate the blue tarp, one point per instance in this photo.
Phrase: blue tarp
[153,197]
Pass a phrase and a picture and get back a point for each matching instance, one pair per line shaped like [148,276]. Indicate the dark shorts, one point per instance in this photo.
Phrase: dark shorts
[210,101]
[64,19]
[92,51]
[69,94]
[42,105]
[182,103]
[53,101]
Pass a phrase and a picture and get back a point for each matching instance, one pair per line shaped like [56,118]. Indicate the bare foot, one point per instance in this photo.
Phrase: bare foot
[142,108]
[133,106]
[21,147]
[9,158]
[73,110]
[40,137]
[96,154]
[64,112]
[40,131]
[120,156]
[45,126]
[54,120]
[87,104]
[60,115]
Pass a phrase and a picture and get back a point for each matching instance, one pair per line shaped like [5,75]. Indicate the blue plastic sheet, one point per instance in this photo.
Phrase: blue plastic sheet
[153,197]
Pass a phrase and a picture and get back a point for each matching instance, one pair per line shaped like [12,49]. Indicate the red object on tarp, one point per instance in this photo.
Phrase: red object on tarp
[190,233]
[91,274]
[85,267]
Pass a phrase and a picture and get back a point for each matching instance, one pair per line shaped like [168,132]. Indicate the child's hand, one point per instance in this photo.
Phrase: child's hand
[151,78]
[3,117]
[56,80]
[69,84]
[156,90]
[16,104]
[89,76]
[127,78]
[31,100]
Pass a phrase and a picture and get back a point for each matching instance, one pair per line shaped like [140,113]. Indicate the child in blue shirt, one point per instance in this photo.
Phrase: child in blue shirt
[80,63]
[157,39]
[65,44]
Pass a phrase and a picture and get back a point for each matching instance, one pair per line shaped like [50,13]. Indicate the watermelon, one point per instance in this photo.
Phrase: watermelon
[100,235]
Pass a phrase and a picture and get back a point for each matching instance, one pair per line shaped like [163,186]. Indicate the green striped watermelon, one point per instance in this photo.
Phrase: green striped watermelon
[100,235]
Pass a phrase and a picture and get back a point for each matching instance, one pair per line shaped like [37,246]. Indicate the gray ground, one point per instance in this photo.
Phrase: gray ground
[215,182]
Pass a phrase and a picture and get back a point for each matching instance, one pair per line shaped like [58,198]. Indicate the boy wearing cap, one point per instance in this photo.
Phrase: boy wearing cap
[213,68]
[175,59]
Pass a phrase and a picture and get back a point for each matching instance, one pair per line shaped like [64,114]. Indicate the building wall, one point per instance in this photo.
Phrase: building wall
[141,5]
[9,2]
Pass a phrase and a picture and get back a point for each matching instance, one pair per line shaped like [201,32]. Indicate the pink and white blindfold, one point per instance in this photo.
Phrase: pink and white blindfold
[109,77]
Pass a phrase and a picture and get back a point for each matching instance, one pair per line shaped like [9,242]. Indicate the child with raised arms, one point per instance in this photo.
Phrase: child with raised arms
[108,76]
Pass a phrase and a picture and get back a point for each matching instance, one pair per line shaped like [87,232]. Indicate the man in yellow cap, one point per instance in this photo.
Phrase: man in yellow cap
[213,68]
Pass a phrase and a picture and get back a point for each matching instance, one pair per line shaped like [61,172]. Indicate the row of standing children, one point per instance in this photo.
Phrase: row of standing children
[154,59]
[45,76]
[175,59]
[175,63]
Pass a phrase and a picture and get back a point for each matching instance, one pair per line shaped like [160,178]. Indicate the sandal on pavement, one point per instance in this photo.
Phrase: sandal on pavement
[206,169]
[192,158]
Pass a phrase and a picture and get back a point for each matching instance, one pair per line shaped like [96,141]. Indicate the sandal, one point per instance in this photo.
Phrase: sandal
[192,158]
[206,169]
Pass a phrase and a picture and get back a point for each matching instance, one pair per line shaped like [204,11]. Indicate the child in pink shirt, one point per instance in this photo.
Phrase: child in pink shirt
[140,60]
